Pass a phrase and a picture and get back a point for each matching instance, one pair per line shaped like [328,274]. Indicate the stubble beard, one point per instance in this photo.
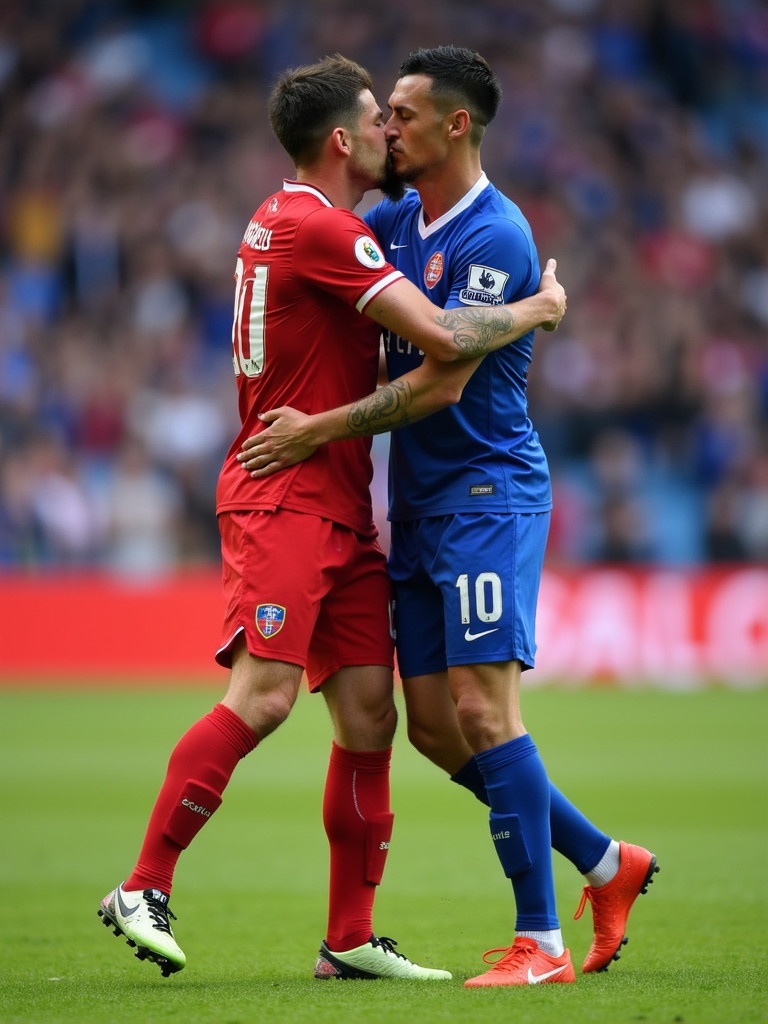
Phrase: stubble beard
[391,184]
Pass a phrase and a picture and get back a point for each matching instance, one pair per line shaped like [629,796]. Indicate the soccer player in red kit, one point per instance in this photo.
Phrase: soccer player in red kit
[304,577]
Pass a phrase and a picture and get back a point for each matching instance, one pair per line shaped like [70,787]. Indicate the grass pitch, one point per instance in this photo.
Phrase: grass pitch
[684,774]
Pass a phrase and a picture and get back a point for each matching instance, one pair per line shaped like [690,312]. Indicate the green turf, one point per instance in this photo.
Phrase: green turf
[682,773]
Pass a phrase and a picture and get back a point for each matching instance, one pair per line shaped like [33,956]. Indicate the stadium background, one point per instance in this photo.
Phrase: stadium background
[134,146]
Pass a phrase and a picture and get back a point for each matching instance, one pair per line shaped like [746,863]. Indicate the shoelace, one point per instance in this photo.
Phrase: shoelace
[510,954]
[160,912]
[388,945]
[586,894]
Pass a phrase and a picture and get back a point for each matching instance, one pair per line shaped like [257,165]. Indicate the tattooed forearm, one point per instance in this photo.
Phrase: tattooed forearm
[474,331]
[382,411]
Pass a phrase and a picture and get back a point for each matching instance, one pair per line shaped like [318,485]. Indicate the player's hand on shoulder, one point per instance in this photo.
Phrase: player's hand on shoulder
[556,293]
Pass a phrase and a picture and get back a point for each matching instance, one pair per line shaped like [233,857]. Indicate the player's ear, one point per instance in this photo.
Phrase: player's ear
[339,140]
[459,123]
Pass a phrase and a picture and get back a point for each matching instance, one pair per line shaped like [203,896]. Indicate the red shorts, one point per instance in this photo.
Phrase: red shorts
[304,590]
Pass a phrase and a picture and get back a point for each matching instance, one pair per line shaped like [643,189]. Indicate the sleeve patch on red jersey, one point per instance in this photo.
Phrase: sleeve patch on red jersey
[368,253]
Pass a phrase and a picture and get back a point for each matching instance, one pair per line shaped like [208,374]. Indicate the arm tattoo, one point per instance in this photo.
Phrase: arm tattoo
[474,331]
[382,411]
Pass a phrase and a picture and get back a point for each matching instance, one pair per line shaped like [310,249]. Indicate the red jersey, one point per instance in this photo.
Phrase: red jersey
[306,271]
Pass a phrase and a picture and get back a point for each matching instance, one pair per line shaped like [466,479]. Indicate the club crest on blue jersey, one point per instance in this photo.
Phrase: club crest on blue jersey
[434,269]
[485,286]
[270,619]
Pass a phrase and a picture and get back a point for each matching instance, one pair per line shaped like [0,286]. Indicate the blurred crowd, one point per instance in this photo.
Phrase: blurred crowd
[134,147]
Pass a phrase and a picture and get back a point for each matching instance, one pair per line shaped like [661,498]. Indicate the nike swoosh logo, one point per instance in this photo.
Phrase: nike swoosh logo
[124,910]
[476,636]
[536,979]
[393,246]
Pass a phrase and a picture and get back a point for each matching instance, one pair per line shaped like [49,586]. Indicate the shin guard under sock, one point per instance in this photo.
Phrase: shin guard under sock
[199,769]
[573,834]
[358,823]
[518,790]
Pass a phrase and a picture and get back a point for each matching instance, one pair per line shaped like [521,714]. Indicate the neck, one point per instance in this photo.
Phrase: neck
[440,192]
[338,189]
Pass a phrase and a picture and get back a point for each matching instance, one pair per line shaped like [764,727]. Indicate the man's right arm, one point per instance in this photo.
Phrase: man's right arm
[466,332]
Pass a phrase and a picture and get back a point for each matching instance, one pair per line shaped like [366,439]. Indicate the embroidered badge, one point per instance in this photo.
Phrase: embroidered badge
[368,253]
[270,619]
[485,286]
[433,270]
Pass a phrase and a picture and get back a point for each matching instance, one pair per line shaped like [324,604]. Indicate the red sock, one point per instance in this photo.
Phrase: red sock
[358,823]
[199,769]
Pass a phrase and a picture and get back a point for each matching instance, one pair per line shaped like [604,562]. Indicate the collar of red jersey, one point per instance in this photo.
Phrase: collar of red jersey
[303,186]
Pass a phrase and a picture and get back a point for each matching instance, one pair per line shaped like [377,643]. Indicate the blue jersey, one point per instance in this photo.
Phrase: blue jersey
[481,455]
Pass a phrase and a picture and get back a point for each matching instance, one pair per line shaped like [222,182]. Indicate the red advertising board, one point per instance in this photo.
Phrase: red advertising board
[97,627]
[668,627]
[665,627]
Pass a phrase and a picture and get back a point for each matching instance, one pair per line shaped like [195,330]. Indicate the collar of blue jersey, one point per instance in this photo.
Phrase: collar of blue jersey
[425,230]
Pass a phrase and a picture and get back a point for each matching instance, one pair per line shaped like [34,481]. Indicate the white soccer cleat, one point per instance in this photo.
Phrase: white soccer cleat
[142,917]
[374,959]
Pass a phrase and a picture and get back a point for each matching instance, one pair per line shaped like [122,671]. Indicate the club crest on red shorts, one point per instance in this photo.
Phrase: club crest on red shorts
[270,619]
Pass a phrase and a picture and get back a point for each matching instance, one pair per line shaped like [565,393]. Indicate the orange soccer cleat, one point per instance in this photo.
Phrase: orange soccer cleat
[523,963]
[612,902]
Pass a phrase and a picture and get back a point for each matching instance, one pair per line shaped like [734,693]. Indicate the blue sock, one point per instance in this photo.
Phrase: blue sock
[573,835]
[518,790]
[470,777]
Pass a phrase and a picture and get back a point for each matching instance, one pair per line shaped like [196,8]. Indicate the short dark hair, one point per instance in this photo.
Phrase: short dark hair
[460,78]
[307,102]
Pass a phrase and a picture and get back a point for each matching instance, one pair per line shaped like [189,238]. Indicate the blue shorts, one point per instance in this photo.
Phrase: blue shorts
[466,587]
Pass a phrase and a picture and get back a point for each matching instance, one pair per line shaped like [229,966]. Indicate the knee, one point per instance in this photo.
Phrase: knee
[443,745]
[263,713]
[371,727]
[274,708]
[477,722]
[423,738]
[260,691]
[383,724]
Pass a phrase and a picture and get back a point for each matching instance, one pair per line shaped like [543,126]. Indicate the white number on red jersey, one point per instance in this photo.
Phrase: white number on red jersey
[248,322]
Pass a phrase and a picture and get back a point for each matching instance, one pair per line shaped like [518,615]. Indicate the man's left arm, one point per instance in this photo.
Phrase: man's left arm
[293,436]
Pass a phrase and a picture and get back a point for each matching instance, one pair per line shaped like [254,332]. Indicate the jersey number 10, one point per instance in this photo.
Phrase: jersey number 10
[248,322]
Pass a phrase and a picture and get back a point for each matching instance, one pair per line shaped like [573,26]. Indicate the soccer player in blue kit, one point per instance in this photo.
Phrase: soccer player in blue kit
[470,501]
